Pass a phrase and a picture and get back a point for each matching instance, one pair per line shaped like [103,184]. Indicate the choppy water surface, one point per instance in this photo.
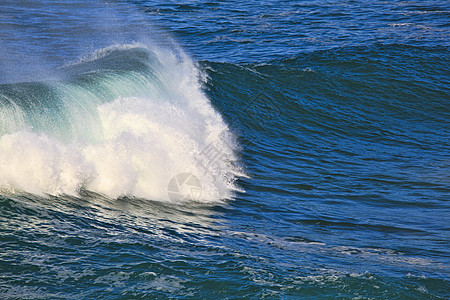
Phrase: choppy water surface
[209,150]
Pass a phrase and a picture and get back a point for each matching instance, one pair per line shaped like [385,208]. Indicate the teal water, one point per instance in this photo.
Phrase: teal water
[220,150]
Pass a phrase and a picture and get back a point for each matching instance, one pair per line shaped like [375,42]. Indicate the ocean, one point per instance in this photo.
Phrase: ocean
[224,149]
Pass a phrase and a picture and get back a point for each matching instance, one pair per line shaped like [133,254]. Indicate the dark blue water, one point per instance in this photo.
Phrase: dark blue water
[224,150]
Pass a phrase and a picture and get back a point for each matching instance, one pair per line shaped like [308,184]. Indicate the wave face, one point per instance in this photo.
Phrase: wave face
[369,123]
[121,122]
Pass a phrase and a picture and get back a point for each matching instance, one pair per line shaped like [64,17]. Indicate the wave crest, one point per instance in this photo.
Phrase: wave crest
[151,121]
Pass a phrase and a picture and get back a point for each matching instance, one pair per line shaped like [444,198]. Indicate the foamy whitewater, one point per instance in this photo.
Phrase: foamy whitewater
[124,121]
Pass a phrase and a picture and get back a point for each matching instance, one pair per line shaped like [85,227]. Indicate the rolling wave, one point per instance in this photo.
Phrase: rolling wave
[125,121]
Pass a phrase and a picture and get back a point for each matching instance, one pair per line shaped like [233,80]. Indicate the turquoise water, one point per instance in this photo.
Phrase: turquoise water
[224,150]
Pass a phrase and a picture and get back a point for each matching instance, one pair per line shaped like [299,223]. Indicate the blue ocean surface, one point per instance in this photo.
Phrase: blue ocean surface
[224,149]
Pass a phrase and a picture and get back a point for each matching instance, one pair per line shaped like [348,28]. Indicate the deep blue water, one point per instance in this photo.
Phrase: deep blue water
[224,150]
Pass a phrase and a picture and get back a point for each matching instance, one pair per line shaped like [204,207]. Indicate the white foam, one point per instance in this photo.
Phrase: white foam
[145,143]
